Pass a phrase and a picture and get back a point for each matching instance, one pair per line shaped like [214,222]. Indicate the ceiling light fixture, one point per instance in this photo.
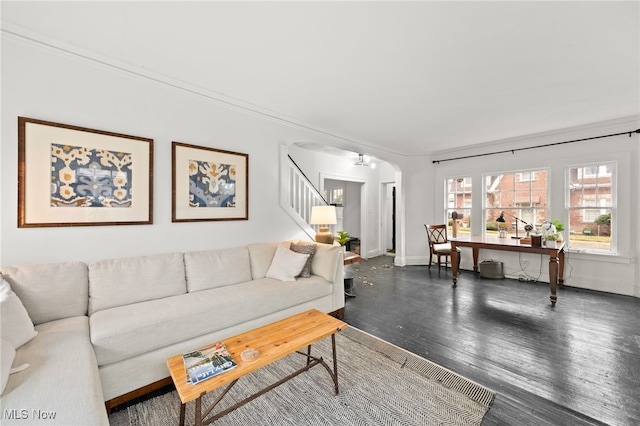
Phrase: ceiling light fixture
[362,162]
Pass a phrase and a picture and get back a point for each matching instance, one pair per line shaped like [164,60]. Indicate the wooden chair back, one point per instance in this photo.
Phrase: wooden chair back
[438,244]
[436,234]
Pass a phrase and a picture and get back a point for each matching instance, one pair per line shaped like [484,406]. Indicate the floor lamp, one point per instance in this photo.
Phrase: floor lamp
[323,216]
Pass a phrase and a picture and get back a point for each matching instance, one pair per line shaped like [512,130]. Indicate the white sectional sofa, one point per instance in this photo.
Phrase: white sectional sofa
[105,329]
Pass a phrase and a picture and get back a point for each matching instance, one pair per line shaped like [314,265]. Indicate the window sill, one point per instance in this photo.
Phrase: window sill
[599,257]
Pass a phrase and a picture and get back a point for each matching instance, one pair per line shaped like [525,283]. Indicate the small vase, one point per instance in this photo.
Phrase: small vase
[560,237]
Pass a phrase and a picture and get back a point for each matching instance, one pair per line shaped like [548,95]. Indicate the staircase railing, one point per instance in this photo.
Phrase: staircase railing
[297,194]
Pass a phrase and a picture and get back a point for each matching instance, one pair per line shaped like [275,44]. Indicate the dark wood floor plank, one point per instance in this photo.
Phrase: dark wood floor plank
[574,364]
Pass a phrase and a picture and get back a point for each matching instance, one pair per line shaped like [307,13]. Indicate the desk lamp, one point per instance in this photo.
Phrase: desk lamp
[527,226]
[323,216]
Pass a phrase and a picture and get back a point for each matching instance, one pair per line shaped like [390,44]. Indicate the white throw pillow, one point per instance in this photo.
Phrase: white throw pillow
[16,326]
[7,353]
[286,265]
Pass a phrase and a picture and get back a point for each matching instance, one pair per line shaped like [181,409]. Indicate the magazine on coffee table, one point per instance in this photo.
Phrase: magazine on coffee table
[207,362]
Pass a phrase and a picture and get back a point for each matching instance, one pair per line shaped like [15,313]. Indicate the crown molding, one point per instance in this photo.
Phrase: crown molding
[39,40]
[616,125]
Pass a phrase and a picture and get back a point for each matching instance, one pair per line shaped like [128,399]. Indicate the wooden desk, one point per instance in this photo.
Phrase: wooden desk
[351,257]
[556,256]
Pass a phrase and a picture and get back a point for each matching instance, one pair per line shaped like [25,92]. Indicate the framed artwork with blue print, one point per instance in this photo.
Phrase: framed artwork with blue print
[76,176]
[209,184]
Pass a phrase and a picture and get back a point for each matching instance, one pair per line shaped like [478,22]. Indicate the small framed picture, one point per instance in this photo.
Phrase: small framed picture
[75,176]
[209,184]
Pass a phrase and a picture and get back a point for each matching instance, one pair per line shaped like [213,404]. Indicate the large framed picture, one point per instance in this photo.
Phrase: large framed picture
[75,176]
[209,184]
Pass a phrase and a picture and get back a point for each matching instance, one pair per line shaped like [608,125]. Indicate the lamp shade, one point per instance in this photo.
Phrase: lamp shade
[323,215]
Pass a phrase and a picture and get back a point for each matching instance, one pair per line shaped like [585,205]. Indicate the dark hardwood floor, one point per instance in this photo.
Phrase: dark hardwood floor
[577,363]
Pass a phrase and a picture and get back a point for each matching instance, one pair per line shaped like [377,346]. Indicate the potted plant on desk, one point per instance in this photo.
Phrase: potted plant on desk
[343,238]
[550,238]
[559,228]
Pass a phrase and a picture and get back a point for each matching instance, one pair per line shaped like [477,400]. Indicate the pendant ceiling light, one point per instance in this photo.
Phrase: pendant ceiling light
[362,162]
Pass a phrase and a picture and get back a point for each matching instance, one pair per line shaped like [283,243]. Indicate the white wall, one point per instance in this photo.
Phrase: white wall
[418,191]
[352,208]
[43,83]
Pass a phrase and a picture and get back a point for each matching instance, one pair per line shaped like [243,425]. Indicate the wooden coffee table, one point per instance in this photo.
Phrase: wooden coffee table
[274,341]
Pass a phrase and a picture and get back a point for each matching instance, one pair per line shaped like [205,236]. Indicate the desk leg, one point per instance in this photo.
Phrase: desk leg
[553,277]
[475,259]
[561,267]
[454,264]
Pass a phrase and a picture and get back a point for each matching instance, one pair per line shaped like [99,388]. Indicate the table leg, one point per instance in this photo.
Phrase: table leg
[335,362]
[553,277]
[198,419]
[182,413]
[561,267]
[454,263]
[475,259]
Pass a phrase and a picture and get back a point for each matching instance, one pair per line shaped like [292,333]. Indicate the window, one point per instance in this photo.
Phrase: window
[337,196]
[523,195]
[526,176]
[591,203]
[458,205]
[592,171]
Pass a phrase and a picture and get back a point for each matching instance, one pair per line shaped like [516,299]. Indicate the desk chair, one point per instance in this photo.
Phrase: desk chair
[439,244]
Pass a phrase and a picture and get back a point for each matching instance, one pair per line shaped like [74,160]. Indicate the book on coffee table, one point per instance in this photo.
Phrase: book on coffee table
[207,362]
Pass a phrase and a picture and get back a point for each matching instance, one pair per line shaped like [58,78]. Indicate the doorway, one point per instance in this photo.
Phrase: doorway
[348,194]
[388,215]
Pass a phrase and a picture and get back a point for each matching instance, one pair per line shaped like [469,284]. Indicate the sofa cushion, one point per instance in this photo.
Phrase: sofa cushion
[325,261]
[126,331]
[117,282]
[16,326]
[261,255]
[7,354]
[286,264]
[50,291]
[305,248]
[217,268]
[62,378]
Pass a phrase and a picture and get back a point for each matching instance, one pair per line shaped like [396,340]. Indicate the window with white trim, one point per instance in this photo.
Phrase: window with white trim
[591,202]
[523,195]
[458,205]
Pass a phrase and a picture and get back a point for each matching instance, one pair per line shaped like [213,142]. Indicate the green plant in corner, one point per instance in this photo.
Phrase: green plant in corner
[343,237]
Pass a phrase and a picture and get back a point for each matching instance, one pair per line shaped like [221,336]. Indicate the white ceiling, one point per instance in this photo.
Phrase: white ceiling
[404,77]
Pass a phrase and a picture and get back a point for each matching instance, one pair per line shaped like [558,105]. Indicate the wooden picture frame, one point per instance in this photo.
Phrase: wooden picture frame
[76,176]
[208,184]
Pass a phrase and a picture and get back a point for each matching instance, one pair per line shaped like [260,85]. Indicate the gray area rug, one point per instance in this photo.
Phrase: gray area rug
[380,384]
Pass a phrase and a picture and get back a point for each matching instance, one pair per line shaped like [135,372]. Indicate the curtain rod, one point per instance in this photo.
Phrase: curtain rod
[513,151]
